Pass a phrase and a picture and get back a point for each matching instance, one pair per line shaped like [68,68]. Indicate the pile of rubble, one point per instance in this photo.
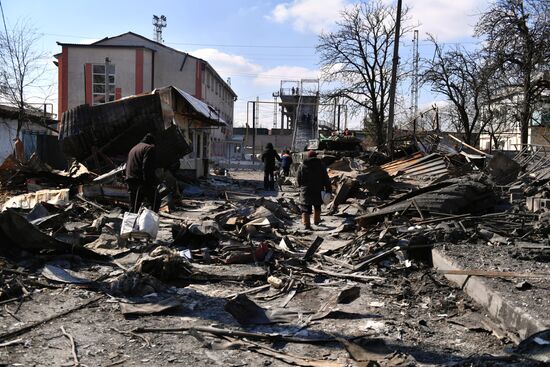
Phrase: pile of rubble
[228,267]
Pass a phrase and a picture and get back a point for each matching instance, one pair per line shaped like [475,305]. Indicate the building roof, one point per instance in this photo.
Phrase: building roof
[206,111]
[32,115]
[158,44]
[93,45]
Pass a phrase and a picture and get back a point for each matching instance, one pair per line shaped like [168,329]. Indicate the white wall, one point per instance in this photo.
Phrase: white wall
[217,94]
[511,140]
[167,63]
[8,128]
[124,60]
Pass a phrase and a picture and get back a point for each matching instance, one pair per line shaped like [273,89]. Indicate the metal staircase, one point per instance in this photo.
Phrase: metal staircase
[305,124]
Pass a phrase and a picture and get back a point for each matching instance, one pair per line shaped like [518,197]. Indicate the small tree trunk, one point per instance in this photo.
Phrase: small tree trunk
[19,122]
[524,114]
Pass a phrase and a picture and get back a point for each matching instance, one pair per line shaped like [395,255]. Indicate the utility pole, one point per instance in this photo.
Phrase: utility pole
[414,85]
[393,83]
[274,112]
[253,131]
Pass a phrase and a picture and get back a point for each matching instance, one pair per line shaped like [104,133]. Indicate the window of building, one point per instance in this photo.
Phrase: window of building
[98,83]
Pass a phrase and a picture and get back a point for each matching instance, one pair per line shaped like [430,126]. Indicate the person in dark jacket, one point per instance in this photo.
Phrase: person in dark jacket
[286,162]
[140,174]
[312,178]
[268,157]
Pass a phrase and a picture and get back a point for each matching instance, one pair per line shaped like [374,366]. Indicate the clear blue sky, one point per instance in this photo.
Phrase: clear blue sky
[256,43]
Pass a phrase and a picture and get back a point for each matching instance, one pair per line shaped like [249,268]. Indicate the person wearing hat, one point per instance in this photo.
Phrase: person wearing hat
[268,157]
[140,174]
[312,178]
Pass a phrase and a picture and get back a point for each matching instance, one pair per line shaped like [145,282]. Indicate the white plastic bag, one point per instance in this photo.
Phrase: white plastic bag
[146,222]
[128,222]
[326,197]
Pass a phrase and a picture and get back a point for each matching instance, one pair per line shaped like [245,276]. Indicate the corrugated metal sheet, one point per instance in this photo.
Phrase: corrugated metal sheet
[418,165]
[395,166]
[208,112]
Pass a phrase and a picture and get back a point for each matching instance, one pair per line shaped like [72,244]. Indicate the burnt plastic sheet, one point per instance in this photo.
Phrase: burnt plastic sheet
[16,233]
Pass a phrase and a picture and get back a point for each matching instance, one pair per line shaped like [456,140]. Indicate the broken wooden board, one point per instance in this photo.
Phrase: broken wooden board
[236,272]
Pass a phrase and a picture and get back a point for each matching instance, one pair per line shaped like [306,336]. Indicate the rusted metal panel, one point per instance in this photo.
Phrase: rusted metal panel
[418,164]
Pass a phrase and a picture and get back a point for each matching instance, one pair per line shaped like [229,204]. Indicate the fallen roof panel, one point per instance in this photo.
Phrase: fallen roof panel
[207,111]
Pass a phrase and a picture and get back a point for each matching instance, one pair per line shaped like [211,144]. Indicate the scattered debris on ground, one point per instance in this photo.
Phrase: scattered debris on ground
[225,273]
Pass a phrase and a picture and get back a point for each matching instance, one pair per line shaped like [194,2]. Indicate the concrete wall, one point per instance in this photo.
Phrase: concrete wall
[280,142]
[217,94]
[124,60]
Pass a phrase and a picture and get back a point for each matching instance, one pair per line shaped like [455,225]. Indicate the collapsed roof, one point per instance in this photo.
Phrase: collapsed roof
[111,129]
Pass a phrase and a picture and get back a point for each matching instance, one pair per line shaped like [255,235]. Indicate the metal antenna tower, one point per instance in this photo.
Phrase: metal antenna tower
[414,85]
[159,23]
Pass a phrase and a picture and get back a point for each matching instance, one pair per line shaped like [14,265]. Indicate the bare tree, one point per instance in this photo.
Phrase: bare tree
[517,34]
[22,67]
[356,61]
[460,76]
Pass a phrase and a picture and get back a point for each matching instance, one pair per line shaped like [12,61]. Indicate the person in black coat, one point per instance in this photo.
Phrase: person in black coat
[140,174]
[286,162]
[312,178]
[268,158]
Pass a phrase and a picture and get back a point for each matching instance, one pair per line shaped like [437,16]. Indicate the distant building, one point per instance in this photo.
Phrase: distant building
[506,107]
[37,133]
[134,64]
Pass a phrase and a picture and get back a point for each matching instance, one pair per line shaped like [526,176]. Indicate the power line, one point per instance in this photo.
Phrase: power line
[4,20]
[189,43]
[253,46]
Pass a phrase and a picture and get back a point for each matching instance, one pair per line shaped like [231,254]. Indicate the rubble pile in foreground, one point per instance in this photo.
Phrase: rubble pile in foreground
[232,277]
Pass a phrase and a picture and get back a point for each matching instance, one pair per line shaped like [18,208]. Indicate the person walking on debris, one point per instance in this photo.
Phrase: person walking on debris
[140,174]
[268,158]
[312,178]
[286,162]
